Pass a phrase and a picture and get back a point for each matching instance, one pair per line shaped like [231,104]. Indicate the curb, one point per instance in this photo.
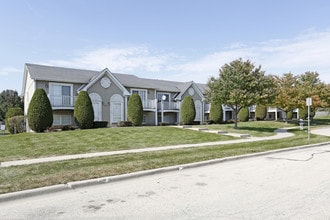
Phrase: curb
[110,179]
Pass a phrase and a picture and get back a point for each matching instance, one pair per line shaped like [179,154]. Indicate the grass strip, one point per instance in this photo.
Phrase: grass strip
[39,175]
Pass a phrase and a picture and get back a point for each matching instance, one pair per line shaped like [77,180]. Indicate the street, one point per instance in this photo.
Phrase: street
[287,185]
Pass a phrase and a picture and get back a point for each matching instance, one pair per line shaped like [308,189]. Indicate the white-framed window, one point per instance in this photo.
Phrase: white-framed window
[62,119]
[61,94]
[143,93]
[160,95]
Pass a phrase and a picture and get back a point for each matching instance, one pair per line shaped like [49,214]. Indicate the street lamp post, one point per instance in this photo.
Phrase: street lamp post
[308,103]
[162,107]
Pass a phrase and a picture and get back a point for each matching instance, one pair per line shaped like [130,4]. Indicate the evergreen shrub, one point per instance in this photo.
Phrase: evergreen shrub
[188,111]
[83,111]
[135,110]
[40,113]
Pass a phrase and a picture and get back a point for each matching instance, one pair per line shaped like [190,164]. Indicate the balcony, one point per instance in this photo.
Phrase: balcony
[169,106]
[60,101]
[149,104]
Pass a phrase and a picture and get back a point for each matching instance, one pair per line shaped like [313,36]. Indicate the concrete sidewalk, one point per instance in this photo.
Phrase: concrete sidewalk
[280,133]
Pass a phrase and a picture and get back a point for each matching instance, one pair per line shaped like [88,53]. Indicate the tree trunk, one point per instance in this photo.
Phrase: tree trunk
[235,118]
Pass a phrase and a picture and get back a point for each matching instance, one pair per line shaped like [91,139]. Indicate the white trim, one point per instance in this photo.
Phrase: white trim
[143,90]
[114,100]
[113,79]
[97,105]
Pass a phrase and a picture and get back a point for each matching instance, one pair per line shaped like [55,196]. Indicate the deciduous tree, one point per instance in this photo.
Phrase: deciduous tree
[240,84]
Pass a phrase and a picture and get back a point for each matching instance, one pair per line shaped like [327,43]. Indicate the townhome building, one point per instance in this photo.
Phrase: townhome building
[110,92]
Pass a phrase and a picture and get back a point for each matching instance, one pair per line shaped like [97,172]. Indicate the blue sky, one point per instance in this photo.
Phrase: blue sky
[179,40]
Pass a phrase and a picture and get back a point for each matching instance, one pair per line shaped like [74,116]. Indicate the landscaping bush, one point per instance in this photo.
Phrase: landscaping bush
[303,113]
[135,110]
[243,114]
[17,124]
[83,111]
[261,112]
[124,124]
[16,111]
[100,124]
[188,111]
[216,113]
[289,115]
[40,113]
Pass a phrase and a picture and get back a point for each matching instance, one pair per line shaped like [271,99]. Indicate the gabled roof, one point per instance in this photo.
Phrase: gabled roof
[197,87]
[106,72]
[60,74]
[70,75]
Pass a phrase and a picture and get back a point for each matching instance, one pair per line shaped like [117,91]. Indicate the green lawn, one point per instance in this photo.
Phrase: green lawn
[34,145]
[38,175]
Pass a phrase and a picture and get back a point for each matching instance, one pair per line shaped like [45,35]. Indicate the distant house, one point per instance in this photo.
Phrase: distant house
[110,93]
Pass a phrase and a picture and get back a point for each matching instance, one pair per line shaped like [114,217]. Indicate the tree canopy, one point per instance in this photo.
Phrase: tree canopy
[240,84]
[9,99]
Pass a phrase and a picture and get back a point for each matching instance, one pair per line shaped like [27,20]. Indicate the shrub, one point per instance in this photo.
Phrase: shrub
[124,124]
[135,110]
[100,124]
[17,124]
[243,114]
[303,113]
[40,113]
[216,113]
[261,112]
[188,112]
[83,111]
[289,115]
[11,113]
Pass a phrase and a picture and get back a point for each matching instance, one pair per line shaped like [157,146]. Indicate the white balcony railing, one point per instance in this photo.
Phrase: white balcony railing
[149,104]
[62,101]
[169,105]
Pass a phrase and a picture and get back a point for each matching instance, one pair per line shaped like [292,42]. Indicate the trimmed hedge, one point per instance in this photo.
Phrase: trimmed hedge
[83,111]
[16,111]
[243,114]
[216,113]
[124,124]
[17,124]
[188,111]
[261,112]
[100,124]
[135,110]
[40,113]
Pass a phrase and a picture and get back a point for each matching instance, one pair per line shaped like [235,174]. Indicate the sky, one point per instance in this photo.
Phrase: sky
[179,40]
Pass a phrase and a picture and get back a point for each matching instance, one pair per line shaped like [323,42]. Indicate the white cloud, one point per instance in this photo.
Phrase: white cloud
[9,70]
[307,52]
[128,59]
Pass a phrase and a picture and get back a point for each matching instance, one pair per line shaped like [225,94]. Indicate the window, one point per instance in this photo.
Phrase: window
[60,94]
[62,119]
[142,93]
[160,95]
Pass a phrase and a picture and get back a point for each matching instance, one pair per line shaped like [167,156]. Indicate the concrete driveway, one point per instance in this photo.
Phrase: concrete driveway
[287,185]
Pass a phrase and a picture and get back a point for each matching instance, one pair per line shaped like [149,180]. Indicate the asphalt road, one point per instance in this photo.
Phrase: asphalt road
[288,185]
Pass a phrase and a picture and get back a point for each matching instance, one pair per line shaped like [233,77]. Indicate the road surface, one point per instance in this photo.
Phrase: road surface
[288,185]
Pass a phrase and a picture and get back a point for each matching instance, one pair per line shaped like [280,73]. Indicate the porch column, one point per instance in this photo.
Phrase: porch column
[125,111]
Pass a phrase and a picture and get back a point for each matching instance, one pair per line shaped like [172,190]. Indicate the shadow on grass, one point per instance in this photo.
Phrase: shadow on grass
[257,129]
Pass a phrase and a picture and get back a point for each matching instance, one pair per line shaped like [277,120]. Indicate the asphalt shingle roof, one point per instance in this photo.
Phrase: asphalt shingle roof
[62,74]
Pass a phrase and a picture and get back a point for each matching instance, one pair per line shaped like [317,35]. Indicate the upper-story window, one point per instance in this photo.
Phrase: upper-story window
[142,93]
[160,96]
[60,94]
